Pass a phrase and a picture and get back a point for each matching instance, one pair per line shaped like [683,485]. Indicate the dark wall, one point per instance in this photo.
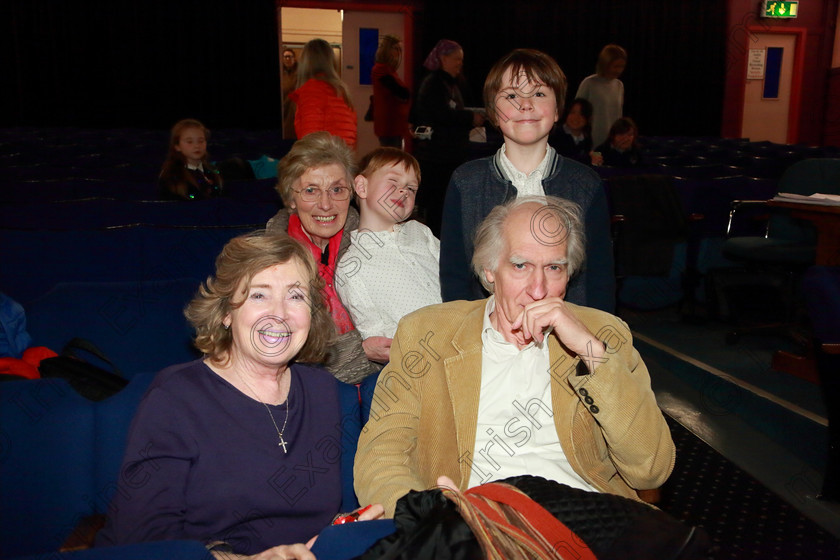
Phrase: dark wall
[147,64]
[144,64]
[676,69]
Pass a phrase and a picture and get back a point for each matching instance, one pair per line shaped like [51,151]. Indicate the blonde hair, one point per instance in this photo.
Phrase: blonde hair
[314,150]
[241,259]
[608,55]
[491,240]
[385,52]
[317,62]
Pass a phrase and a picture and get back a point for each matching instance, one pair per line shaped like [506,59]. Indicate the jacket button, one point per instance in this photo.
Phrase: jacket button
[594,409]
[583,392]
[589,400]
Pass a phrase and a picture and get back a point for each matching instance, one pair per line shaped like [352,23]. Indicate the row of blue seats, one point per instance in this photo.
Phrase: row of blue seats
[76,188]
[31,154]
[253,202]
[100,213]
[34,261]
[710,197]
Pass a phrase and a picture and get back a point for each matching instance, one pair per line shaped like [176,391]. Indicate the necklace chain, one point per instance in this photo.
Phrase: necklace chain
[282,442]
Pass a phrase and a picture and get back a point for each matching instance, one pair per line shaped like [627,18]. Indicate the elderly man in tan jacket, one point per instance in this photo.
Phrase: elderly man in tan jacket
[519,383]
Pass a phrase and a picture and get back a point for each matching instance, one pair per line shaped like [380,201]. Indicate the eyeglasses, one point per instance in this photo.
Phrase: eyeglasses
[314,194]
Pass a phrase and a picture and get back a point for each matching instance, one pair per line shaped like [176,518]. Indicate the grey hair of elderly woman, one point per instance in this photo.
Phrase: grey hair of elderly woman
[558,221]
[241,259]
[314,150]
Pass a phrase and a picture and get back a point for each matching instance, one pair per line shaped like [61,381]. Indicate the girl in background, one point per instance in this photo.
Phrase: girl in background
[605,91]
[573,139]
[390,95]
[621,148]
[322,99]
[187,173]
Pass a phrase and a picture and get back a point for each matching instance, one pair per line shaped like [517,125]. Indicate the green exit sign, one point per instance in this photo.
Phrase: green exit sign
[774,9]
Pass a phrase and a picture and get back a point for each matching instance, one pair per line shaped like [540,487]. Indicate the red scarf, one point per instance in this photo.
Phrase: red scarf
[341,318]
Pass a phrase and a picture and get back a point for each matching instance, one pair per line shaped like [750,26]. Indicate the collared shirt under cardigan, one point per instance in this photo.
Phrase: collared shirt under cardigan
[425,408]
[480,185]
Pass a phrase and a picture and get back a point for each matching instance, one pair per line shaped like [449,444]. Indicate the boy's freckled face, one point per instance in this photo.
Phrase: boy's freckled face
[390,193]
[526,111]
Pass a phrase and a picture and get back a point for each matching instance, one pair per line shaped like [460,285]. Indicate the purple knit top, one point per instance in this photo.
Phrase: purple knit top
[203,462]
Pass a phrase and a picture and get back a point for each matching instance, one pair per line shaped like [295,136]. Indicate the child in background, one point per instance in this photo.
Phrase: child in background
[187,173]
[573,139]
[605,91]
[391,267]
[522,94]
[621,149]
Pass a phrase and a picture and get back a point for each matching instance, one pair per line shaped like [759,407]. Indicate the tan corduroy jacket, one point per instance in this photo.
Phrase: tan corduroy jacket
[425,409]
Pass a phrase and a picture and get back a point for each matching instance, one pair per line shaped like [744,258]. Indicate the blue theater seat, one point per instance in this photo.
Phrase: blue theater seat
[100,213]
[139,326]
[35,261]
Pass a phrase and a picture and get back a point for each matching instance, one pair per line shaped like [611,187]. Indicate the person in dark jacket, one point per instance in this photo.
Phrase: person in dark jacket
[573,139]
[440,106]
[391,97]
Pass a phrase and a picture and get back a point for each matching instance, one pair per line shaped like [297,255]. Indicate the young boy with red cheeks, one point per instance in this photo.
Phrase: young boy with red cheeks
[523,94]
[391,266]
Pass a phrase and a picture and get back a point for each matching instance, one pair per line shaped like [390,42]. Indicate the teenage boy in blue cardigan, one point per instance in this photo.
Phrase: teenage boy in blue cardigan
[524,93]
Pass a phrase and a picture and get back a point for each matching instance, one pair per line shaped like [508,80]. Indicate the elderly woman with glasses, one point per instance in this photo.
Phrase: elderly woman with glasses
[315,181]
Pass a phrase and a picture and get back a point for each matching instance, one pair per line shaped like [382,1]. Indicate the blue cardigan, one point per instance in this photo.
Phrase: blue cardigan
[478,186]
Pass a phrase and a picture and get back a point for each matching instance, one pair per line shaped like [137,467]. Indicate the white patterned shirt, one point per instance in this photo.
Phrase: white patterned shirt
[384,275]
[515,433]
[530,184]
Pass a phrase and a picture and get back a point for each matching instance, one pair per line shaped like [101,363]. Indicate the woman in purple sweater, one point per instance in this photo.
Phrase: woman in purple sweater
[241,449]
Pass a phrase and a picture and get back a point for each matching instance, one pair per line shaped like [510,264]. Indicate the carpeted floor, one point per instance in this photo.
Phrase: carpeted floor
[744,519]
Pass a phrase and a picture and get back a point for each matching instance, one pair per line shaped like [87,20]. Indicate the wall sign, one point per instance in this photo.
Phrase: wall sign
[756,64]
[776,9]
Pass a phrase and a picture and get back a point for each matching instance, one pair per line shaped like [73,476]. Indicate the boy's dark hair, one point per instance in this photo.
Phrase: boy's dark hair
[538,68]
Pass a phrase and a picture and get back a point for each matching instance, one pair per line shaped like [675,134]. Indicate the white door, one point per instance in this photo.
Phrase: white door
[387,23]
[766,117]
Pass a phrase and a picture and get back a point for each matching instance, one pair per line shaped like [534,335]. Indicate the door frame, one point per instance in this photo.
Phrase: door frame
[407,8]
[796,76]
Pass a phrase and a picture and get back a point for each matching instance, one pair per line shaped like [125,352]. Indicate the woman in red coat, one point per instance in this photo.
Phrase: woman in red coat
[391,97]
[323,102]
